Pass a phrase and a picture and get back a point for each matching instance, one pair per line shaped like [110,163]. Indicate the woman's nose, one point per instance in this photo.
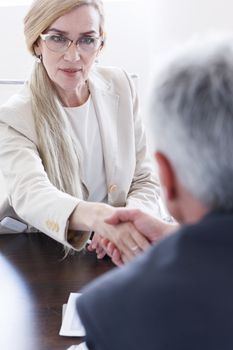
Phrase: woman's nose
[72,53]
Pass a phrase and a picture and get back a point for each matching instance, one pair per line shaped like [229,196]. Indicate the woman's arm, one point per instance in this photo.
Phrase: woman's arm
[30,192]
[92,216]
[63,217]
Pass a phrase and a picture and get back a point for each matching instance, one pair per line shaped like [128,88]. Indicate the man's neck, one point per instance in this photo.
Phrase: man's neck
[193,211]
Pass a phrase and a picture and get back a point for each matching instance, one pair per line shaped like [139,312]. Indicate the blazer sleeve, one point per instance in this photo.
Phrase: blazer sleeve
[144,191]
[31,194]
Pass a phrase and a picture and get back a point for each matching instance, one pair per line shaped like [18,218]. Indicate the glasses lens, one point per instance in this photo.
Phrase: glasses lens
[89,44]
[57,43]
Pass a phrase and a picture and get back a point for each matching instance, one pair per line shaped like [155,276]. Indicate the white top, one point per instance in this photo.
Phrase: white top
[86,128]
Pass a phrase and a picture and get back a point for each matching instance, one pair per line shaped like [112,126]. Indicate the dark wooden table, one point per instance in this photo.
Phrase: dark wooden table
[35,280]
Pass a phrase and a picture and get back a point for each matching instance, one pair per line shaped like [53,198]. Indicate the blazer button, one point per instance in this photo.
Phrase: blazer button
[48,224]
[112,188]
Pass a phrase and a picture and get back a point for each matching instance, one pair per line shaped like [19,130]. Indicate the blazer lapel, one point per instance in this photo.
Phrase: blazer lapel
[106,106]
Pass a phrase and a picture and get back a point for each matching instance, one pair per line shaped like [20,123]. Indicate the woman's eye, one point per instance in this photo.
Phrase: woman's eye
[87,40]
[58,38]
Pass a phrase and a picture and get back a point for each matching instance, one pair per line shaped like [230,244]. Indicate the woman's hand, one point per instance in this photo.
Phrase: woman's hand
[102,246]
[91,217]
[112,251]
[97,246]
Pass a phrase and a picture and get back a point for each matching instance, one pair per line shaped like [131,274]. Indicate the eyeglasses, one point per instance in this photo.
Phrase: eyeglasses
[59,43]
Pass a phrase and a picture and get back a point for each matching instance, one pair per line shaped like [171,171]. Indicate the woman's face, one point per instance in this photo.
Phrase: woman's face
[69,69]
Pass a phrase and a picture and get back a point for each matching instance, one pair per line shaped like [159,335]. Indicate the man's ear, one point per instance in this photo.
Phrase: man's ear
[167,177]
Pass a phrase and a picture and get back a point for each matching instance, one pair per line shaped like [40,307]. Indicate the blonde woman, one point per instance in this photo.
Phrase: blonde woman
[72,146]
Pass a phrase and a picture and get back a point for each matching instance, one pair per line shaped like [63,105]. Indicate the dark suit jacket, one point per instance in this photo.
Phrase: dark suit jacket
[177,296]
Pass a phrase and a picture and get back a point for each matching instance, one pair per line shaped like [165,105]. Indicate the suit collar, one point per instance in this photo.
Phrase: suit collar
[97,81]
[106,104]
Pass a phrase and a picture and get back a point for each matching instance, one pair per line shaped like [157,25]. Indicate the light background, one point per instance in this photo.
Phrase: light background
[138,33]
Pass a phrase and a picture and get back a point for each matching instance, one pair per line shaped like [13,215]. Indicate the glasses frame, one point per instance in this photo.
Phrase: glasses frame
[76,43]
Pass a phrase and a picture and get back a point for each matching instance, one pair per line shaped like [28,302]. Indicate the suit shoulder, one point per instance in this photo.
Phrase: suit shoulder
[109,71]
[114,77]
[17,104]
[135,288]
[17,114]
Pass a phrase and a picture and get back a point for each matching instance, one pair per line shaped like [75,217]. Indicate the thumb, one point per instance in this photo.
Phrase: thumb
[123,215]
[113,219]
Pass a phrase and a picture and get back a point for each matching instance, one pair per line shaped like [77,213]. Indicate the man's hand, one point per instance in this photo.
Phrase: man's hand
[151,228]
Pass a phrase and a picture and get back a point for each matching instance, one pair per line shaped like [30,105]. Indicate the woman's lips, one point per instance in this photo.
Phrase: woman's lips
[71,71]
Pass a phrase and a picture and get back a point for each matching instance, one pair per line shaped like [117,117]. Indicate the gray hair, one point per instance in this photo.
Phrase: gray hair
[192,110]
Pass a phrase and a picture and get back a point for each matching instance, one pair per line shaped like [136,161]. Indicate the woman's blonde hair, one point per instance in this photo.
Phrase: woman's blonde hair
[59,152]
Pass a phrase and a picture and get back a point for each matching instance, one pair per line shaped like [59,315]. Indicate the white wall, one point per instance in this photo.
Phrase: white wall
[137,33]
[176,21]
[172,22]
[125,45]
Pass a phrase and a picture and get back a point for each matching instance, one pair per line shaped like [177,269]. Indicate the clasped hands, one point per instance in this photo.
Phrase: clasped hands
[129,232]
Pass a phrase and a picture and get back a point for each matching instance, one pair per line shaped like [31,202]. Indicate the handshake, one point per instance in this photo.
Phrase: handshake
[127,233]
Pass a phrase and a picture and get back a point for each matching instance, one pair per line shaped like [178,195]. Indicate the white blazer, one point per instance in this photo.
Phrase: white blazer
[129,174]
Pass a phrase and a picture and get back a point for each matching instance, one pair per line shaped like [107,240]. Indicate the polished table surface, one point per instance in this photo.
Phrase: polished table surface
[35,280]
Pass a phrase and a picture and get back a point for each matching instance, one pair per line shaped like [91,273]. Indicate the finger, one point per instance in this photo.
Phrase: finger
[101,253]
[140,241]
[124,244]
[104,242]
[131,253]
[122,236]
[116,258]
[113,220]
[134,243]
[90,248]
[122,216]
[123,240]
[110,248]
[127,251]
[116,255]
[95,241]
[124,259]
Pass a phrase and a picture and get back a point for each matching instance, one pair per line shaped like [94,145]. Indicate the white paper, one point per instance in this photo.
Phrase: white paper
[71,323]
[81,346]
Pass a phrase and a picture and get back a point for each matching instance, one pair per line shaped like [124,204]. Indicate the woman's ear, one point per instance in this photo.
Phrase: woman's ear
[37,49]
[98,52]
[102,41]
[102,44]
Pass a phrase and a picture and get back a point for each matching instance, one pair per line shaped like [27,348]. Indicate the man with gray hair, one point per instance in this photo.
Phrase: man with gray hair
[179,294]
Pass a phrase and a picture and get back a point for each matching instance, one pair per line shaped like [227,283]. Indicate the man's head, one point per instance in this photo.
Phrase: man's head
[192,113]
